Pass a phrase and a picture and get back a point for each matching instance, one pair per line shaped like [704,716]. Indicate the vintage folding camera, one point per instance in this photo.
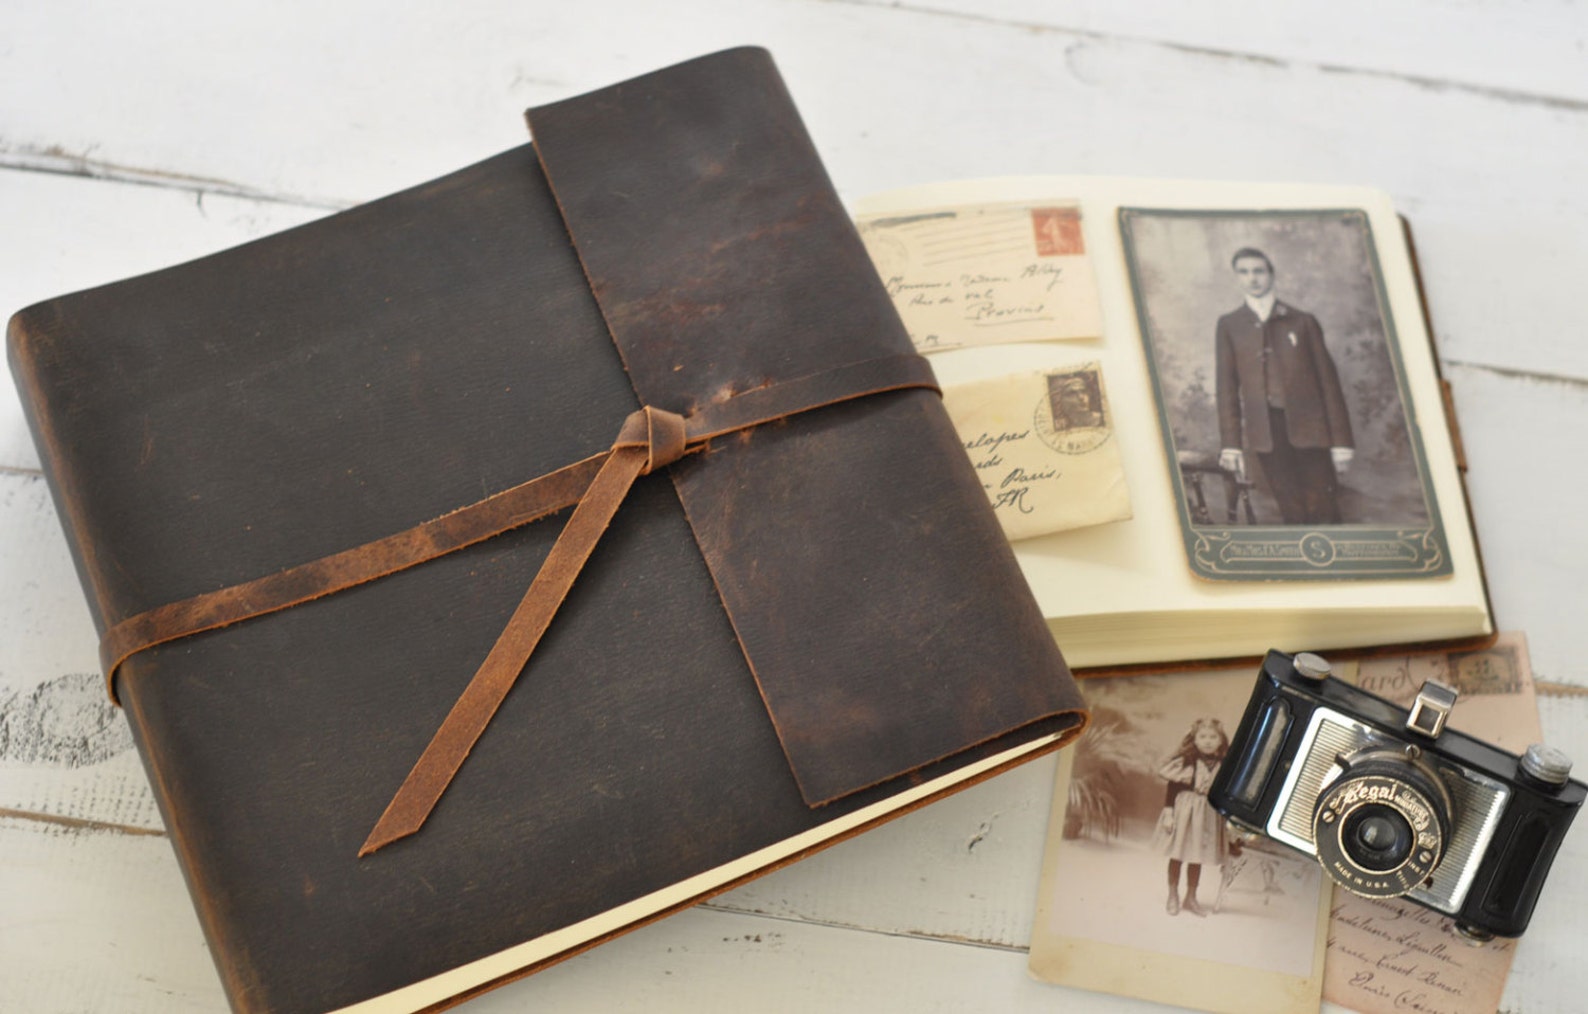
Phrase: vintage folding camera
[1391,802]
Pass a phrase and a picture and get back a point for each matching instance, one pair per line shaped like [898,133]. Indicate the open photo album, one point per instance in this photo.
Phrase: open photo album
[1209,415]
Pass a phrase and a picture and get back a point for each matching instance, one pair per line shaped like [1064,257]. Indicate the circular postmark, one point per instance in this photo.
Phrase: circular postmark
[1489,671]
[1072,417]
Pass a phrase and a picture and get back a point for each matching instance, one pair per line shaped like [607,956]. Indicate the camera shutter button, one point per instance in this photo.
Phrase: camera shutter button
[1313,667]
[1545,763]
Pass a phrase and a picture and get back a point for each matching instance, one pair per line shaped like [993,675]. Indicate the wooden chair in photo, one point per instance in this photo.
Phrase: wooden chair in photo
[1250,853]
[1235,491]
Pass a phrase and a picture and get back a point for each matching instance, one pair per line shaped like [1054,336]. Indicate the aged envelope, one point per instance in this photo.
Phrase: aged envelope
[1043,445]
[1387,955]
[981,274]
[1142,894]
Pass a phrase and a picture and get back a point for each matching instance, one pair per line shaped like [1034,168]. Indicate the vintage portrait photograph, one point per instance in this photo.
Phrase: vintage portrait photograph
[1140,872]
[1280,394]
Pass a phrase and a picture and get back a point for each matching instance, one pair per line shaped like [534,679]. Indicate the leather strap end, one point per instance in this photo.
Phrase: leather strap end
[450,746]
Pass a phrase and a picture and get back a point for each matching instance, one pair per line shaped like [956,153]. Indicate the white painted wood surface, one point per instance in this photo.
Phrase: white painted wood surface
[134,136]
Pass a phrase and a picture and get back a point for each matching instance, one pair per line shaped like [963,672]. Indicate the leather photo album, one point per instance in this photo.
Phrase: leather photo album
[497,566]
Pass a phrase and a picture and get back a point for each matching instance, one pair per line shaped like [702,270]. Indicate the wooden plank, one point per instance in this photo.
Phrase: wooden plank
[962,869]
[1486,176]
[1550,974]
[1503,49]
[893,96]
[1523,439]
[65,233]
[467,72]
[709,961]
[64,749]
[97,920]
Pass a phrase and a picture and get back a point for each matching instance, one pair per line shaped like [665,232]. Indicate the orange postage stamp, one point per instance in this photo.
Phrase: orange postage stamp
[1058,231]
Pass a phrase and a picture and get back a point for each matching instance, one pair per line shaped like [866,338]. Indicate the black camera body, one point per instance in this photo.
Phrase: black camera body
[1390,802]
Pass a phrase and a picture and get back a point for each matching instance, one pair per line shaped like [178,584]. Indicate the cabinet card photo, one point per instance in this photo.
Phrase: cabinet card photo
[1281,395]
[1146,890]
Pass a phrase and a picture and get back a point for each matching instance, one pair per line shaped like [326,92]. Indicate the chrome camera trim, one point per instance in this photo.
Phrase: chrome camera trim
[1478,802]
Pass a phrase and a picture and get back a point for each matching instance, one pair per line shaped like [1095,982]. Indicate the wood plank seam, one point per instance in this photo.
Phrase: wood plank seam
[1492,93]
[1549,688]
[56,161]
[79,824]
[1513,373]
[942,938]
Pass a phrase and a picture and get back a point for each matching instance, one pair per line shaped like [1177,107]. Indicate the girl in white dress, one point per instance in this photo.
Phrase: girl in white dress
[1191,832]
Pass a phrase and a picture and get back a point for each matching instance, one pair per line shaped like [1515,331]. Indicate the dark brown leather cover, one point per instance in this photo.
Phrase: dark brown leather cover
[817,611]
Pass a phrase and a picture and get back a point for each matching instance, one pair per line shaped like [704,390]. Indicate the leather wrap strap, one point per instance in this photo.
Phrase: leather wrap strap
[649,439]
[495,514]
[498,513]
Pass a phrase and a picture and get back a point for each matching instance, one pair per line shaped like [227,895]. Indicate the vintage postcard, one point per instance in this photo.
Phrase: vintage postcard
[981,274]
[1146,891]
[1044,448]
[1281,396]
[1387,955]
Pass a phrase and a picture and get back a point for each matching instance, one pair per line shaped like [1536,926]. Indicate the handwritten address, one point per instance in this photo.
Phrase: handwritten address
[981,274]
[1407,958]
[1387,954]
[1040,444]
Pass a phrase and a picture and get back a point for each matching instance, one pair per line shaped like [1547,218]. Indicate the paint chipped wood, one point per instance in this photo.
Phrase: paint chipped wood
[116,159]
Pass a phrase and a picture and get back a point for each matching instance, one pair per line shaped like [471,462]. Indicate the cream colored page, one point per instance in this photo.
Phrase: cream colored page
[1386,955]
[982,274]
[1139,566]
[1043,447]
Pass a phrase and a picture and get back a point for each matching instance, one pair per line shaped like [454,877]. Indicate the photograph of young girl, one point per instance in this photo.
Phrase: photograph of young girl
[1242,927]
[1191,832]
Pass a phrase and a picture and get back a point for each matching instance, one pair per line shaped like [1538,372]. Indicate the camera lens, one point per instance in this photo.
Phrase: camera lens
[1380,826]
[1377,838]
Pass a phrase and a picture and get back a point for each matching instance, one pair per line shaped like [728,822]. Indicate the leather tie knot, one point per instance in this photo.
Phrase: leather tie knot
[660,432]
[595,487]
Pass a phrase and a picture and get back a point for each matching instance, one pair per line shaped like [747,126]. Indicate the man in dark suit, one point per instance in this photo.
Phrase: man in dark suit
[1279,397]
